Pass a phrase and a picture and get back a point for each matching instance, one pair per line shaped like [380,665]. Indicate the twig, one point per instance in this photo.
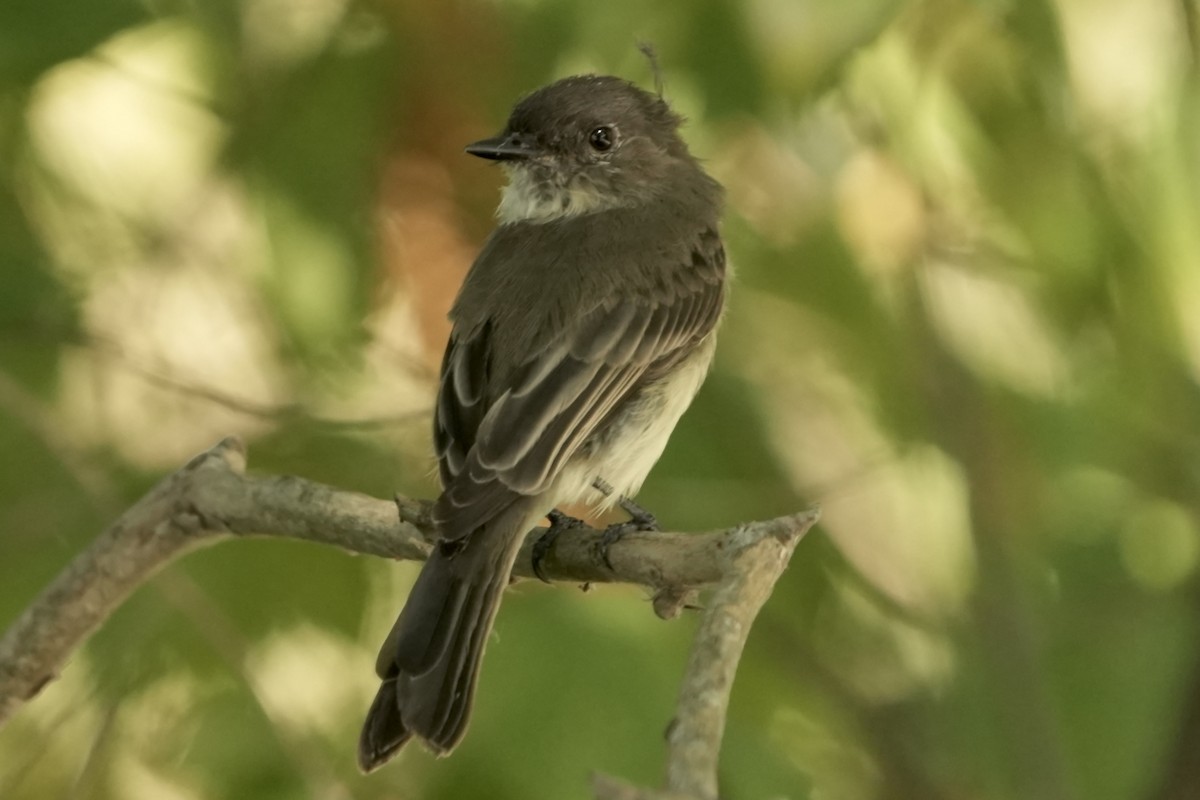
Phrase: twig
[759,555]
[211,498]
[285,411]
[755,557]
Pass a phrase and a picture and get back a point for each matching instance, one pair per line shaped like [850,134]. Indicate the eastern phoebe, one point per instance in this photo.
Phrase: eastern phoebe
[581,334]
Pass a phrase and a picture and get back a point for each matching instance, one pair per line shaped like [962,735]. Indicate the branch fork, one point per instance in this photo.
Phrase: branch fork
[211,498]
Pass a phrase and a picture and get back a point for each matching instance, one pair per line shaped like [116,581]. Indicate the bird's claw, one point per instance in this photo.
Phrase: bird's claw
[640,520]
[559,522]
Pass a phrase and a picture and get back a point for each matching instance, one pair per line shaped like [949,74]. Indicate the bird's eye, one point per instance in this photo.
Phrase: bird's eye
[602,138]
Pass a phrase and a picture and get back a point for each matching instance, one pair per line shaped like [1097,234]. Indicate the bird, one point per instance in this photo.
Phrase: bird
[581,334]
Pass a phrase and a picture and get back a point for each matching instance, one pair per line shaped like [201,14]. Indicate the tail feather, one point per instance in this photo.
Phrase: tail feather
[456,704]
[384,732]
[430,661]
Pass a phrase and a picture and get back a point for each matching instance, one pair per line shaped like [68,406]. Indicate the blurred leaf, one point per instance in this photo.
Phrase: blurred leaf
[311,141]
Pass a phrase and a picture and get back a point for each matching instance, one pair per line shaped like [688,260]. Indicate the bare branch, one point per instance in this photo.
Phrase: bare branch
[759,555]
[211,498]
[163,379]
[755,556]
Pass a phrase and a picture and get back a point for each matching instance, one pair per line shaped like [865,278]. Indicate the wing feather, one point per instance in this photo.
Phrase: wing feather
[511,437]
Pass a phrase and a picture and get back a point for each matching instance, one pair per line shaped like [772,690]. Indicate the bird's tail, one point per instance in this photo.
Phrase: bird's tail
[430,661]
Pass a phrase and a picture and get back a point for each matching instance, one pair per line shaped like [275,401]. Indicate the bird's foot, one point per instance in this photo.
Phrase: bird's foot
[638,516]
[559,522]
[639,520]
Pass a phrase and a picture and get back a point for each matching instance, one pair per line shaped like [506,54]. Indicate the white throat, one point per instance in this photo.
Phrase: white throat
[527,199]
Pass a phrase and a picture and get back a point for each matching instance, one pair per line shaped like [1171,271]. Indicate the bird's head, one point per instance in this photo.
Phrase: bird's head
[584,144]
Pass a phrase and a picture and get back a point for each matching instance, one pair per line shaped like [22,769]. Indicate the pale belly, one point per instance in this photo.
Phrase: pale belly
[636,439]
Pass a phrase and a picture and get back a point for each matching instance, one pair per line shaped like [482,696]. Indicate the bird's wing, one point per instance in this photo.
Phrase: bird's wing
[491,453]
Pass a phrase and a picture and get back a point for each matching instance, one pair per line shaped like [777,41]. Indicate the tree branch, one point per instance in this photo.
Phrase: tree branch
[211,498]
[755,556]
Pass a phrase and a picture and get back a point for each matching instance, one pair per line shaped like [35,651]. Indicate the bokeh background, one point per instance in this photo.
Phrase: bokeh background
[967,322]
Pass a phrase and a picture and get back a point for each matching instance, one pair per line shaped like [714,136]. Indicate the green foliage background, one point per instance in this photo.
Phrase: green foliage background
[967,321]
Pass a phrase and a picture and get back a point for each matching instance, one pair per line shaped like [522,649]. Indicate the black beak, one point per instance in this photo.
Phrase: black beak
[505,147]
